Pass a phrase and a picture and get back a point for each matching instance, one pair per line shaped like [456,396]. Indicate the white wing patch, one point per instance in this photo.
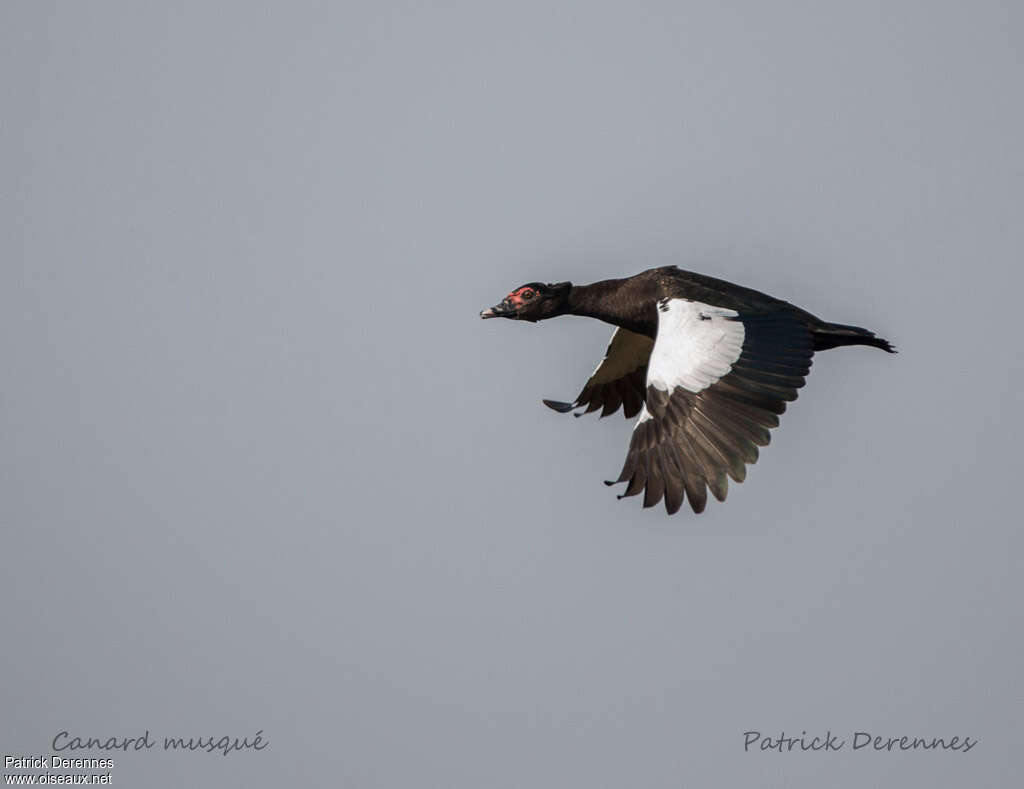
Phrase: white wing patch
[697,344]
[626,352]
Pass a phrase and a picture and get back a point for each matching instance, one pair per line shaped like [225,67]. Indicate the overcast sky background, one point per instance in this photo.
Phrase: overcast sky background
[262,467]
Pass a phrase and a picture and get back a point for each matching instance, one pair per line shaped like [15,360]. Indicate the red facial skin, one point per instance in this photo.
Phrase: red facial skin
[516,297]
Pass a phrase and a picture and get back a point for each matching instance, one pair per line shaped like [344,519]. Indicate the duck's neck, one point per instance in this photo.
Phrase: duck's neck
[621,302]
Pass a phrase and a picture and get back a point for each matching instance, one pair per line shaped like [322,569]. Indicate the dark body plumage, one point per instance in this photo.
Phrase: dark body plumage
[632,304]
[707,364]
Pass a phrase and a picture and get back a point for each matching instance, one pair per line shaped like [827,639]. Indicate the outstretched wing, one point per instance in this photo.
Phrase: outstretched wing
[619,379]
[717,381]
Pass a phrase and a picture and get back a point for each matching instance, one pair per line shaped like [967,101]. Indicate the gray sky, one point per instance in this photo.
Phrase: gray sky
[263,467]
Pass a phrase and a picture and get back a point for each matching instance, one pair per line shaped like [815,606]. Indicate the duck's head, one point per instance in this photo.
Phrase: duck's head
[533,301]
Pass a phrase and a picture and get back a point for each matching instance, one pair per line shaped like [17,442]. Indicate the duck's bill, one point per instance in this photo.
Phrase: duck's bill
[502,310]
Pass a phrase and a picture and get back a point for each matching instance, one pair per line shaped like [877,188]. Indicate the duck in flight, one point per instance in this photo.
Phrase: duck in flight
[708,365]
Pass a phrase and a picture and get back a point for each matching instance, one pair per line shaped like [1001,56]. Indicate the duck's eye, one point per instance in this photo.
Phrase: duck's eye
[527,294]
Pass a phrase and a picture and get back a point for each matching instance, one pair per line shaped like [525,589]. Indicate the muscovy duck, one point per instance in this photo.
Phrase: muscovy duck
[707,364]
